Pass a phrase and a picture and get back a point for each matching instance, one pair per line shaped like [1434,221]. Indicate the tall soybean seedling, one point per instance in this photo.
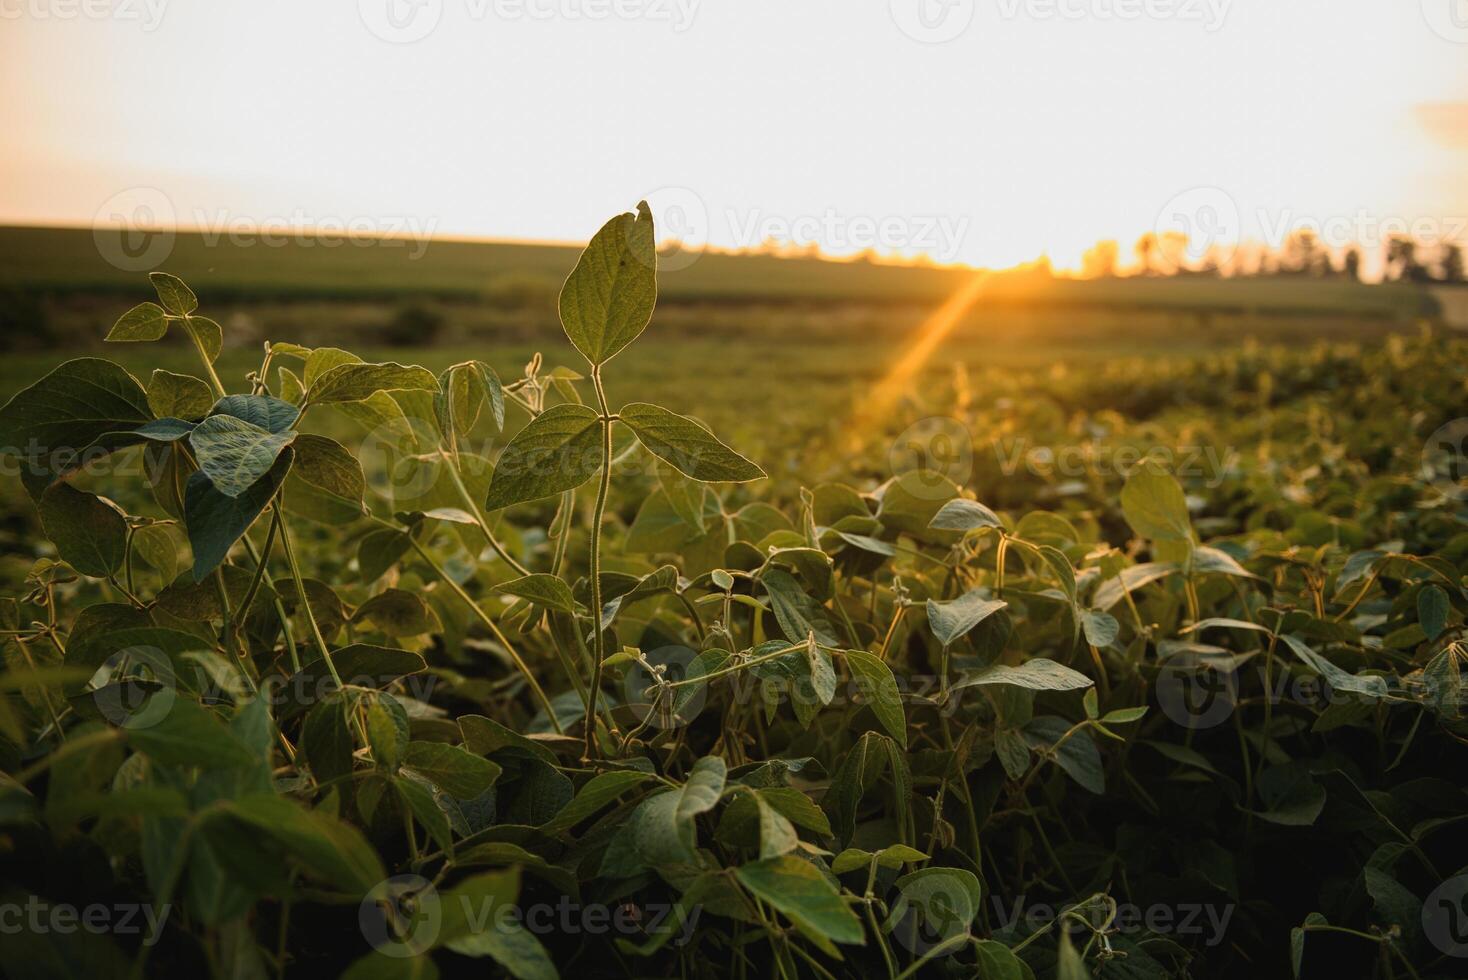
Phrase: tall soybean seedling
[605,304]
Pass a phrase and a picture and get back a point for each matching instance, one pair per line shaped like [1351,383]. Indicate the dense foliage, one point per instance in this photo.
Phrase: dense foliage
[1179,696]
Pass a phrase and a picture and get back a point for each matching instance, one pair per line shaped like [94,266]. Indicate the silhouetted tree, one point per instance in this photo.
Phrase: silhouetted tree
[1450,266]
[1351,267]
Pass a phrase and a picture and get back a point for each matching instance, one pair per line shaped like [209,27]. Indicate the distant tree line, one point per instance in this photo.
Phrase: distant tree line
[1302,255]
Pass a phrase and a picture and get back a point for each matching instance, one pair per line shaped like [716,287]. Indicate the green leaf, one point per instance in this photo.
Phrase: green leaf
[90,534]
[662,828]
[1101,628]
[997,962]
[500,935]
[146,321]
[1069,964]
[797,613]
[1038,674]
[178,395]
[216,521]
[776,834]
[234,454]
[941,901]
[69,409]
[327,847]
[961,514]
[879,689]
[210,335]
[1432,610]
[165,429]
[354,382]
[326,482]
[1125,716]
[1077,756]
[270,414]
[398,613]
[1153,503]
[687,445]
[798,890]
[560,449]
[176,297]
[608,299]
[952,619]
[455,770]
[542,589]
[189,735]
[360,665]
[600,790]
[891,856]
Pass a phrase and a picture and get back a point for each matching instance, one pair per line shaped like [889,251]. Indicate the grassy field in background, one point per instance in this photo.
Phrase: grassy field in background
[69,260]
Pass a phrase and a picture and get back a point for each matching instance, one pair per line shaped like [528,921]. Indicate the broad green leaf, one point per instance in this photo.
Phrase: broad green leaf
[360,665]
[961,514]
[560,449]
[178,395]
[1432,610]
[600,790]
[210,335]
[234,454]
[1101,628]
[776,834]
[144,322]
[90,534]
[455,770]
[1077,756]
[937,903]
[798,890]
[541,589]
[1069,964]
[189,735]
[1153,504]
[797,613]
[355,382]
[326,481]
[687,445]
[397,613]
[952,619]
[1291,795]
[1038,674]
[216,521]
[662,828]
[165,429]
[879,690]
[479,921]
[69,409]
[328,848]
[176,297]
[608,299]
[270,414]
[997,962]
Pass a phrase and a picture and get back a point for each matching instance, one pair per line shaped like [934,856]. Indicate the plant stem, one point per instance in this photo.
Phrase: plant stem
[290,558]
[490,625]
[598,644]
[480,520]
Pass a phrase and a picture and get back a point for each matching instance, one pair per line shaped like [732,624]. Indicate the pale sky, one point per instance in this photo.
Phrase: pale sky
[1039,126]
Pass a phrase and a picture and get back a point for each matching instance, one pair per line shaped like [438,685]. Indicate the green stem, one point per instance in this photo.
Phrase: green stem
[597,515]
[480,520]
[231,641]
[493,627]
[705,678]
[290,558]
